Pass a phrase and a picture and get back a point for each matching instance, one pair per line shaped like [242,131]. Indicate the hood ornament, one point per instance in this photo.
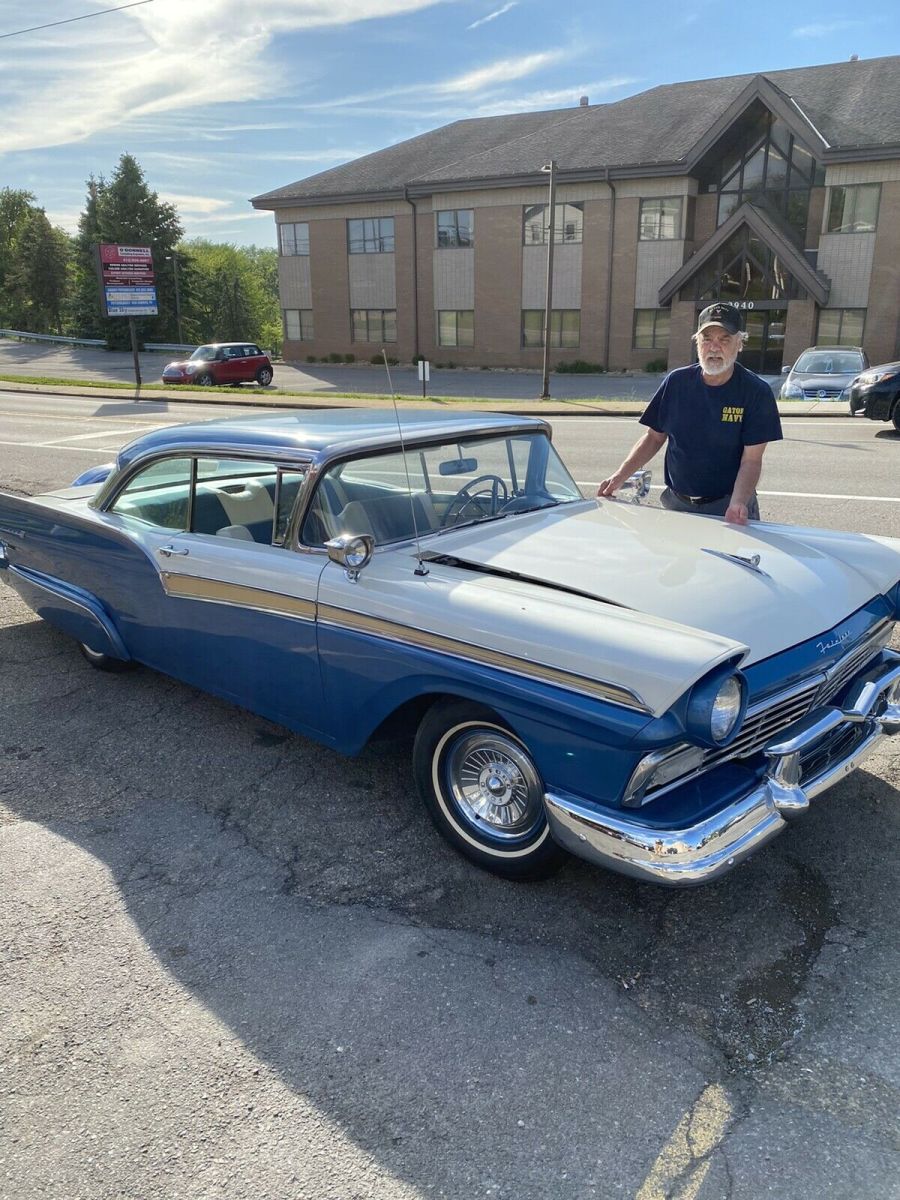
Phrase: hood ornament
[750,561]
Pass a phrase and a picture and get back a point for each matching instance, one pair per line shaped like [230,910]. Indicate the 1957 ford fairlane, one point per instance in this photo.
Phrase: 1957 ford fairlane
[657,693]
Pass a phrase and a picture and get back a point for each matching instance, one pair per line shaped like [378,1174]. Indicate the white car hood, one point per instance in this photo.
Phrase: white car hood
[670,566]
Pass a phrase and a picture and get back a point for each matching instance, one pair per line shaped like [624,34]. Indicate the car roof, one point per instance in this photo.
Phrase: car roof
[323,433]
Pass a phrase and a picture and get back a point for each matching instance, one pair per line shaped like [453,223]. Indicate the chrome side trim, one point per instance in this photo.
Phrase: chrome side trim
[379,627]
[710,848]
[214,591]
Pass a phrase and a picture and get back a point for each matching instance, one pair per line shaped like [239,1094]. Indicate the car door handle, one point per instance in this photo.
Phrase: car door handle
[170,551]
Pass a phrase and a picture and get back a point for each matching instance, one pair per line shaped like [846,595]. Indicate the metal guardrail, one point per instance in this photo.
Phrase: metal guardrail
[168,346]
[24,336]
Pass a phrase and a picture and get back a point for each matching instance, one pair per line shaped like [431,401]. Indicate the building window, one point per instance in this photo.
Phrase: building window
[374,324]
[568,220]
[765,165]
[841,327]
[660,220]
[744,268]
[298,324]
[456,227]
[294,238]
[371,235]
[456,328]
[651,328]
[565,328]
[853,209]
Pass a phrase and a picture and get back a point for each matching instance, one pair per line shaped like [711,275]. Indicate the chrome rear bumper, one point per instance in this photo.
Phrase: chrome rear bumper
[704,851]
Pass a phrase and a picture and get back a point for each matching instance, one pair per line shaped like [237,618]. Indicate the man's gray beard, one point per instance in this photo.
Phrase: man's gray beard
[717,370]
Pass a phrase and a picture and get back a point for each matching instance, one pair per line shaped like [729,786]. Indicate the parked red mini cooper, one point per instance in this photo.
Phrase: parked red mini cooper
[223,363]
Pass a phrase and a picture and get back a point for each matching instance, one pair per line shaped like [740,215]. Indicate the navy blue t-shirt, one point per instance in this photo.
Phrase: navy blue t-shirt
[708,427]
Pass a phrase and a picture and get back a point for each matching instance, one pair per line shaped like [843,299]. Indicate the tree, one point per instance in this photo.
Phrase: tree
[15,205]
[37,278]
[124,210]
[234,293]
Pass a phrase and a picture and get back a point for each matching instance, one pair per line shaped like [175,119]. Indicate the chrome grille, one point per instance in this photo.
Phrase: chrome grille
[854,662]
[762,723]
[770,716]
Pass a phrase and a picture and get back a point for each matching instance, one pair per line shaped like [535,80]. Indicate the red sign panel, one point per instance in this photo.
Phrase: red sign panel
[126,265]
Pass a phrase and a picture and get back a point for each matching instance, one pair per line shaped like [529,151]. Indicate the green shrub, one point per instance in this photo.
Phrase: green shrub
[349,358]
[311,358]
[334,357]
[451,366]
[579,367]
[393,362]
[656,365]
[376,360]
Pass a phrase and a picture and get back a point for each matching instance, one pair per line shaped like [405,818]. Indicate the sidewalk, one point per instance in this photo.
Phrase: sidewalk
[272,398]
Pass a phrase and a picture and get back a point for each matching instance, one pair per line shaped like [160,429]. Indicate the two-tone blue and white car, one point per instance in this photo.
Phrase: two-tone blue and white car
[657,693]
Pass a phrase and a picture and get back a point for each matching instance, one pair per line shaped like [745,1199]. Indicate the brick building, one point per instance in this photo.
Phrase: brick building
[779,192]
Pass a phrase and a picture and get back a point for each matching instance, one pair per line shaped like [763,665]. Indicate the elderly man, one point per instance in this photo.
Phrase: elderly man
[717,418]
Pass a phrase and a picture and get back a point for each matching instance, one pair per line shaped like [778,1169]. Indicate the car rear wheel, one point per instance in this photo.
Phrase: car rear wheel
[895,415]
[104,662]
[483,791]
[205,380]
[264,376]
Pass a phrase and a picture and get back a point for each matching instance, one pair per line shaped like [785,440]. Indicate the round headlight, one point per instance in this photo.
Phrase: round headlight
[726,709]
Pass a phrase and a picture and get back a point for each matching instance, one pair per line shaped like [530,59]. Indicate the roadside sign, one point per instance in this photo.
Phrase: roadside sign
[130,302]
[127,281]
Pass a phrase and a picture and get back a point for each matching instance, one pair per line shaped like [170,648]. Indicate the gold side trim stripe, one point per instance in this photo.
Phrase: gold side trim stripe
[346,619]
[214,591]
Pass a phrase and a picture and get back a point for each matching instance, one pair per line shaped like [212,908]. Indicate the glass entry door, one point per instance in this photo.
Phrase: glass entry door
[764,348]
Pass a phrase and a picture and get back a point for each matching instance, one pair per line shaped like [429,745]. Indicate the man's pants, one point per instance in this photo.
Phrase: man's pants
[715,508]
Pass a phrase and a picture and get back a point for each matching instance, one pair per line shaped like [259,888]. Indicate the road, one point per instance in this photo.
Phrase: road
[236,965]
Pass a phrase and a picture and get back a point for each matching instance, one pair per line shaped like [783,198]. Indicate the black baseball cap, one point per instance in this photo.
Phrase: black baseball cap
[725,315]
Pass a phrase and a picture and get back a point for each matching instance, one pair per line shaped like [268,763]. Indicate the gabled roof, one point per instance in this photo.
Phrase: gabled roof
[841,110]
[767,230]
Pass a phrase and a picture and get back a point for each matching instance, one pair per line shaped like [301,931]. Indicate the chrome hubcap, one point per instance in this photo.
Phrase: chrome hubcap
[494,784]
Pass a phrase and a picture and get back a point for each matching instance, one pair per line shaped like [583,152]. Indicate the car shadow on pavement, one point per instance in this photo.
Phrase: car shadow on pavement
[269,915]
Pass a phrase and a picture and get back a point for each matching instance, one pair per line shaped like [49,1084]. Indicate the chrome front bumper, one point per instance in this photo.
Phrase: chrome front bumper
[703,852]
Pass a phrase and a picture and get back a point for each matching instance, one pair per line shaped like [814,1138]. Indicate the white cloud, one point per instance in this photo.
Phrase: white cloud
[823,29]
[151,60]
[492,16]
[193,204]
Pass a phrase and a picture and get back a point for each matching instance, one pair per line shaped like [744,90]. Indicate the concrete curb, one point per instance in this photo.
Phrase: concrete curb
[267,399]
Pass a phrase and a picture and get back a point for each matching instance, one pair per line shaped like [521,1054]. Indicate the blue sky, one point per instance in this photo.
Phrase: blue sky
[220,100]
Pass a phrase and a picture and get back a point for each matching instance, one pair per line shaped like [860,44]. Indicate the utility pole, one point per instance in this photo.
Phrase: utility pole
[548,304]
[174,257]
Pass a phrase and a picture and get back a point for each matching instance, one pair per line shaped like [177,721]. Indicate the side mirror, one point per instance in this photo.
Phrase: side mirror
[640,483]
[352,551]
[785,370]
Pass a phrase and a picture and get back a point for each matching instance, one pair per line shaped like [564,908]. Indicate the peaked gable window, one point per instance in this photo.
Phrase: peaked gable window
[764,163]
[745,269]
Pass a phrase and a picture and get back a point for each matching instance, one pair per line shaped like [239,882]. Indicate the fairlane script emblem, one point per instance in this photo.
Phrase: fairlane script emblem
[837,640]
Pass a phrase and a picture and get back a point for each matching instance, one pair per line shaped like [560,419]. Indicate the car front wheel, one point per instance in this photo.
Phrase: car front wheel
[264,376]
[895,415]
[205,380]
[483,791]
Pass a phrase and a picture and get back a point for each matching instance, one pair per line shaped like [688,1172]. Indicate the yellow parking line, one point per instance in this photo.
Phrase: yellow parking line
[684,1160]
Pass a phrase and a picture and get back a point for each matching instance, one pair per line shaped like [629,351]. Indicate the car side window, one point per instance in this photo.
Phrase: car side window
[245,499]
[159,495]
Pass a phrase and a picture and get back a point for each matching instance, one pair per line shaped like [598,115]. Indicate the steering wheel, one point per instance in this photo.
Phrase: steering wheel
[485,495]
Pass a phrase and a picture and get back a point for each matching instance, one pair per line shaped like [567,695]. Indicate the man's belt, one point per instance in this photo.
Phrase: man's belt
[698,500]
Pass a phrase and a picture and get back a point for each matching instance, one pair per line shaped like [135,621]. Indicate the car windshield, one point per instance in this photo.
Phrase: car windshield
[824,362]
[395,497]
[205,353]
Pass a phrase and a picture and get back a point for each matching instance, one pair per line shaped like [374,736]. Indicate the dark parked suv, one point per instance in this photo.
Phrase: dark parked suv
[222,362]
[876,392]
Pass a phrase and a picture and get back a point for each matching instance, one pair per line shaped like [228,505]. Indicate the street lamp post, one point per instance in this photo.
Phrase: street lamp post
[548,302]
[174,259]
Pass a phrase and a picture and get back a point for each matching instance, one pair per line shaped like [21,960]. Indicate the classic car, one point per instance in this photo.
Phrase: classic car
[660,694]
[876,393]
